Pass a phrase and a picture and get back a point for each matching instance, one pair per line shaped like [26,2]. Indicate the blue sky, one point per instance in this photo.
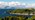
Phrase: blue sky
[26,1]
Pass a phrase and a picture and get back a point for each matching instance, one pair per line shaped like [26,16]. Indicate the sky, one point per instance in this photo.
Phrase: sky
[26,1]
[17,3]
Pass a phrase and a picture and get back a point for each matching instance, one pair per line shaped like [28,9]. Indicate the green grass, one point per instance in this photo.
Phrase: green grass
[29,19]
[20,17]
[0,18]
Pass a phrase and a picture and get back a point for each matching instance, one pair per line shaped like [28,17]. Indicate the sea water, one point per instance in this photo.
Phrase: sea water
[3,13]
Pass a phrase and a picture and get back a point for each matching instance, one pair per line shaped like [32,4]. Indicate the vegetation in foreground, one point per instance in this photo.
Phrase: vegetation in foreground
[17,18]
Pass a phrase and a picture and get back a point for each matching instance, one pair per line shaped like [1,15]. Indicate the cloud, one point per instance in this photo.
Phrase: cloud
[16,4]
[2,4]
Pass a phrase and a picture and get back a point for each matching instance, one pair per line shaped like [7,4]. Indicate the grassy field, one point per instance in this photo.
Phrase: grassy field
[17,18]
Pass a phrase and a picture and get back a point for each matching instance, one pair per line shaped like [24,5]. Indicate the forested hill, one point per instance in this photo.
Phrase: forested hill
[22,10]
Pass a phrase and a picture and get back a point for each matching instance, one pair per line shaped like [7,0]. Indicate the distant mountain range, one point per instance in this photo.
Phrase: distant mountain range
[14,7]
